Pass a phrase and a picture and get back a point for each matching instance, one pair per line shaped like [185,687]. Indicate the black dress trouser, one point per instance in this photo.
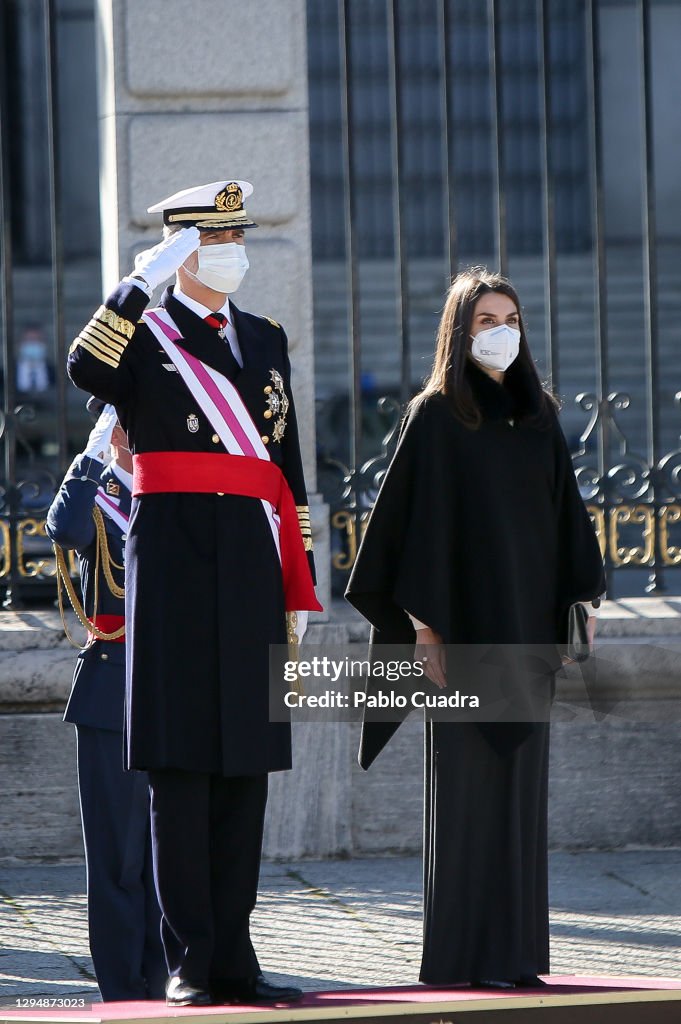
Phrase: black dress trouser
[123,913]
[207,838]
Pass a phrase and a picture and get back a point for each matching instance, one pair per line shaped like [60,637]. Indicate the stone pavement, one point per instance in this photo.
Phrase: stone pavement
[338,924]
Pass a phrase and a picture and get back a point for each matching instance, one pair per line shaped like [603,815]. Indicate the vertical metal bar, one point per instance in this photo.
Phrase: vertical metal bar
[396,146]
[547,190]
[497,135]
[57,257]
[650,274]
[351,268]
[8,424]
[449,210]
[594,116]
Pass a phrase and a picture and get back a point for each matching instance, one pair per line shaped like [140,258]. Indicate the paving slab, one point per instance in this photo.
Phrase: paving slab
[353,923]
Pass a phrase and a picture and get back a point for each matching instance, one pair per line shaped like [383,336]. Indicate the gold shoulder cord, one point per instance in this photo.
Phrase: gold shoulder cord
[63,577]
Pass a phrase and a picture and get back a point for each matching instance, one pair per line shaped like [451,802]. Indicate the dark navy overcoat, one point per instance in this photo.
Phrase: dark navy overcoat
[204,596]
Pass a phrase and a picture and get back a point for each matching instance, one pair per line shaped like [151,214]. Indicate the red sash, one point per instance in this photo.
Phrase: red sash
[108,624]
[217,473]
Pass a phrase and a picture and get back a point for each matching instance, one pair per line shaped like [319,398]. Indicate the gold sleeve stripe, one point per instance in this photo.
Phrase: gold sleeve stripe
[101,346]
[106,332]
[114,348]
[119,323]
[304,523]
[102,358]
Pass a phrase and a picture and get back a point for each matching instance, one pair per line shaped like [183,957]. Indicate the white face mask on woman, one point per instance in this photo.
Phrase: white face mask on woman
[221,267]
[497,347]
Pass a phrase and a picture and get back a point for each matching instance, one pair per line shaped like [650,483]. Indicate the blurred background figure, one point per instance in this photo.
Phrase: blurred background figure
[33,372]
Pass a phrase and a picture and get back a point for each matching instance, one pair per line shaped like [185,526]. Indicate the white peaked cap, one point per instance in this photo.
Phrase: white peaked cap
[217,205]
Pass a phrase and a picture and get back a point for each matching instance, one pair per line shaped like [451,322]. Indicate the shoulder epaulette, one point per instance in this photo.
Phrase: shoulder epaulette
[273,322]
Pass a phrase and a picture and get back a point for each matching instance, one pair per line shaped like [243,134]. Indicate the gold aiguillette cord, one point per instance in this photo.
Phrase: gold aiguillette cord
[293,647]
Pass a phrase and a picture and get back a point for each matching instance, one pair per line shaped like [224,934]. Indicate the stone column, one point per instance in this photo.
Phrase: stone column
[192,93]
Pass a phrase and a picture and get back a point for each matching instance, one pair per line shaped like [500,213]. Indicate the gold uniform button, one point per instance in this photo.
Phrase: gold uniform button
[268,389]
[267,414]
[215,439]
[265,439]
[104,657]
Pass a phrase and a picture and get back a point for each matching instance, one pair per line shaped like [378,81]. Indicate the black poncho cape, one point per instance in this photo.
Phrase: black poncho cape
[482,535]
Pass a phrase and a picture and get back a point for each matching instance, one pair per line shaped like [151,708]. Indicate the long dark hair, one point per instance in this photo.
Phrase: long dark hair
[448,376]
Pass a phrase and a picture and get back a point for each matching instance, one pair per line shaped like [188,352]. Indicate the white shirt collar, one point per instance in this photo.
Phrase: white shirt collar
[198,307]
[122,474]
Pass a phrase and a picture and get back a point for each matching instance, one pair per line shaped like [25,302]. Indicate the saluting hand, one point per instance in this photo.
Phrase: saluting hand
[431,651]
[157,264]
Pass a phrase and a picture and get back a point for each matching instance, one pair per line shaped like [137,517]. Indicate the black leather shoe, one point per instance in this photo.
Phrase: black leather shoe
[529,981]
[493,983]
[180,992]
[254,990]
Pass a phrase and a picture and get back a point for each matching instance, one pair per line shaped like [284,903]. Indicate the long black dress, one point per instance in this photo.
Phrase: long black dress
[483,535]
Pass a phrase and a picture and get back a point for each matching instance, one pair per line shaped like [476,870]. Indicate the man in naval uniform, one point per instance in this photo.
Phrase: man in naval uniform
[89,515]
[219,550]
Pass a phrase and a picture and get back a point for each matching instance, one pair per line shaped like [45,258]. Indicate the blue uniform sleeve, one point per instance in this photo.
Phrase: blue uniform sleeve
[98,358]
[69,519]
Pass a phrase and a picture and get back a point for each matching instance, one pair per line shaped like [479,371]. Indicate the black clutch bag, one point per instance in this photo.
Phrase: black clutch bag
[577,637]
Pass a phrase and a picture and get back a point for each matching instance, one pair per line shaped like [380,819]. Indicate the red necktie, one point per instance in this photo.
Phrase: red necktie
[218,321]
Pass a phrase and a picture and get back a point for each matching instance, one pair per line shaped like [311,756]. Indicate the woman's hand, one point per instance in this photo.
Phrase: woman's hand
[431,651]
[591,623]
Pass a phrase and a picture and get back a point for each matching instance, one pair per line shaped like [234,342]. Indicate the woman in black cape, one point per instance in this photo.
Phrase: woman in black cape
[479,536]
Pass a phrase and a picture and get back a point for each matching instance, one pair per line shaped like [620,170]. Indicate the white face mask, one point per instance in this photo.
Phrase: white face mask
[221,267]
[497,347]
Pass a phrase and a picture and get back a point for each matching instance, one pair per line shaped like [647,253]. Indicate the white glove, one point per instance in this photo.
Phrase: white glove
[160,262]
[100,436]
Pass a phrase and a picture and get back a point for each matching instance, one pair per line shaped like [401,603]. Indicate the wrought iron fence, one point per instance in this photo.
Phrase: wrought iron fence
[456,77]
[28,479]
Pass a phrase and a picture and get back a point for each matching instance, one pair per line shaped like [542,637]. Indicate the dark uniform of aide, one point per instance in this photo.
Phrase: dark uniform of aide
[123,913]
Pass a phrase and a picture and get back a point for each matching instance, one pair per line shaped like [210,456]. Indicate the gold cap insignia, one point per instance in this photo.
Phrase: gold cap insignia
[230,198]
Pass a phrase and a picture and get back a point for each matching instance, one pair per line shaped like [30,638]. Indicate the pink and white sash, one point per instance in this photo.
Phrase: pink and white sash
[111,509]
[217,398]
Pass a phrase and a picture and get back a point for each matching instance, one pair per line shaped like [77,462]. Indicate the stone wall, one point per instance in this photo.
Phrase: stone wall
[615,760]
